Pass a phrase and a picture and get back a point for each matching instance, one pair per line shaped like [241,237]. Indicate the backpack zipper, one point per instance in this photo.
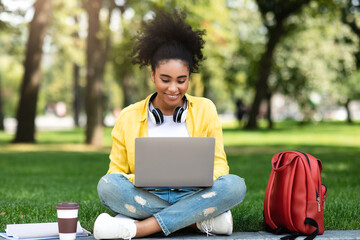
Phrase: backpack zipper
[307,158]
[318,200]
[324,194]
[317,195]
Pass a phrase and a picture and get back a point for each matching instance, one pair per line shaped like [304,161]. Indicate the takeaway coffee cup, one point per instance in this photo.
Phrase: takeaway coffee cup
[67,214]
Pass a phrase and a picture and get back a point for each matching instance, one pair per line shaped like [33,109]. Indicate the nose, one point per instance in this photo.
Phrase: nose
[173,87]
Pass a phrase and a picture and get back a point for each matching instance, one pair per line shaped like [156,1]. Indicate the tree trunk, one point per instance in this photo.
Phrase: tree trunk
[126,89]
[76,81]
[264,72]
[26,112]
[77,95]
[96,58]
[205,79]
[93,96]
[2,127]
[347,107]
[268,113]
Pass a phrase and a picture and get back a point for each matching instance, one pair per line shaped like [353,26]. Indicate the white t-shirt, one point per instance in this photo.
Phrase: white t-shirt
[168,128]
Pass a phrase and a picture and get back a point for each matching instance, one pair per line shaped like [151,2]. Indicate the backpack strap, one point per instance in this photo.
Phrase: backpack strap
[291,237]
[277,167]
[294,235]
[315,166]
[271,226]
[313,223]
[277,231]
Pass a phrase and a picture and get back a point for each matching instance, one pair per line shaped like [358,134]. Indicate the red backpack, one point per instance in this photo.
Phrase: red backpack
[295,198]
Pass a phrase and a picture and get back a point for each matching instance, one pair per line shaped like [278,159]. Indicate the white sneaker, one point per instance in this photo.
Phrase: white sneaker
[221,224]
[107,227]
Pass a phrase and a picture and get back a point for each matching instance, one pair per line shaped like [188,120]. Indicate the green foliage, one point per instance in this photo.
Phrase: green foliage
[10,83]
[12,48]
[65,46]
[317,56]
[67,41]
[300,70]
[276,11]
[133,82]
[242,64]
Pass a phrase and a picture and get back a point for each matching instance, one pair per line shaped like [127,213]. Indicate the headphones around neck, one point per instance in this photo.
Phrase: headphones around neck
[157,117]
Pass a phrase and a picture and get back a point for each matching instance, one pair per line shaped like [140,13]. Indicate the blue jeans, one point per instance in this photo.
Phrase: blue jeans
[174,209]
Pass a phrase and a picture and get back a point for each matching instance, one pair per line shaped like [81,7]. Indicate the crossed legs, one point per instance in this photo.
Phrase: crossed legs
[119,195]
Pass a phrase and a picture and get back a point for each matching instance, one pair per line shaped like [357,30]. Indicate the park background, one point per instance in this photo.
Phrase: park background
[289,70]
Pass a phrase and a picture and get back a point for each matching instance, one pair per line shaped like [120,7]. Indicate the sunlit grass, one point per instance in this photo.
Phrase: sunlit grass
[336,144]
[292,134]
[60,167]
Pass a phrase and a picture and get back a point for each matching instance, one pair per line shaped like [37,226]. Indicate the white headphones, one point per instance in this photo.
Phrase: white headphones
[157,117]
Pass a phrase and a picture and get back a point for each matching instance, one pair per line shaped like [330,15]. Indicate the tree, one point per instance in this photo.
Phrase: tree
[98,43]
[2,127]
[9,49]
[133,86]
[26,112]
[67,55]
[221,42]
[350,16]
[76,78]
[1,108]
[2,8]
[274,14]
[304,69]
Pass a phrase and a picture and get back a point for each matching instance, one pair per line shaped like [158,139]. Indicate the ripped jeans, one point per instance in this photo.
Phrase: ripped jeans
[174,209]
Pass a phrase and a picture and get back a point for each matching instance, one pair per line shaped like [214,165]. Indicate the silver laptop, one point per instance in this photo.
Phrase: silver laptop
[174,161]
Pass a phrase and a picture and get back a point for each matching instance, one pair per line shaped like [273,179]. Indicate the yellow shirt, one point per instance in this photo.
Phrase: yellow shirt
[201,121]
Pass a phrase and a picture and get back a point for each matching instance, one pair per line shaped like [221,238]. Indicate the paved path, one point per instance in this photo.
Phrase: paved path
[344,235]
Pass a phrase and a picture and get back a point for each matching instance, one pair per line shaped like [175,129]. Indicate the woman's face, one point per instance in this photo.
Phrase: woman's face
[171,78]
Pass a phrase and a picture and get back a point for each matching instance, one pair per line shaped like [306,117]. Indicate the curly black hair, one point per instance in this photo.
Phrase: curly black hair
[167,36]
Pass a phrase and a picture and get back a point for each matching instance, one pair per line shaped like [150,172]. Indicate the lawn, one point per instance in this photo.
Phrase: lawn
[35,177]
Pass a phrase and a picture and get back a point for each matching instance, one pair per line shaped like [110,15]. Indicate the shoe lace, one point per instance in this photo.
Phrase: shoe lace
[207,226]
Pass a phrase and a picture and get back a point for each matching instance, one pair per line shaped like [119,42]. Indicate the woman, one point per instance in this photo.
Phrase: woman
[173,50]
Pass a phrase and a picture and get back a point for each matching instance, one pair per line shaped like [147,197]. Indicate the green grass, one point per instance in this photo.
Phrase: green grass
[35,177]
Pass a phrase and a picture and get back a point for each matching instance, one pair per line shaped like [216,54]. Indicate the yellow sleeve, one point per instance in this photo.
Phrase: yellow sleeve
[221,166]
[118,155]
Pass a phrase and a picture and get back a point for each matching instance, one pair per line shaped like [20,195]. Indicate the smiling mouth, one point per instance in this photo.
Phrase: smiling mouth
[172,96]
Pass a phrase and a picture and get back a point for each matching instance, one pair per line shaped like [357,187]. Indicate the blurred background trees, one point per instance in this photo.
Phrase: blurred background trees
[26,111]
[303,54]
[274,16]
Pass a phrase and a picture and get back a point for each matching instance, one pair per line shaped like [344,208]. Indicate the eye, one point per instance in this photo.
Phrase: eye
[164,80]
[181,81]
